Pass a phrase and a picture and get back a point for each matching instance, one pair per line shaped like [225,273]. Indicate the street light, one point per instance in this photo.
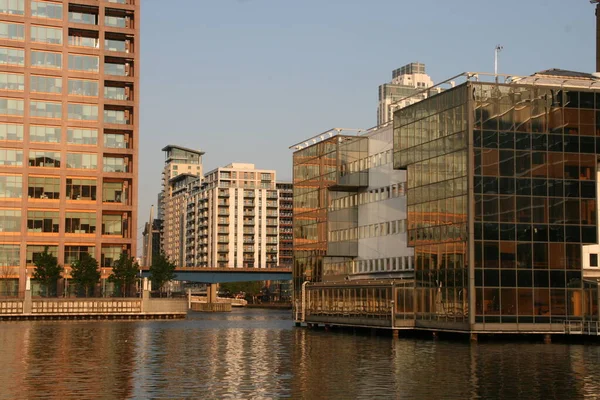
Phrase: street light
[103,282]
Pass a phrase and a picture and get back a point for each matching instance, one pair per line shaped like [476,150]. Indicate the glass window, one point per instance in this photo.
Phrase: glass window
[116,117]
[46,59]
[112,225]
[10,220]
[115,164]
[45,109]
[85,112]
[9,56]
[48,159]
[115,69]
[593,260]
[46,34]
[83,63]
[73,253]
[45,9]
[82,136]
[11,132]
[115,22]
[83,18]
[109,255]
[41,187]
[112,192]
[10,255]
[115,45]
[83,87]
[82,161]
[45,84]
[81,189]
[80,222]
[115,141]
[12,81]
[11,106]
[47,134]
[84,41]
[34,251]
[11,186]
[115,93]
[11,157]
[12,31]
[42,221]
[15,7]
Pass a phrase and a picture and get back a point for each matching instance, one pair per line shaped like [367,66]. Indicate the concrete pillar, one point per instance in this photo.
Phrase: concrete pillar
[473,337]
[395,333]
[547,338]
[211,293]
[27,306]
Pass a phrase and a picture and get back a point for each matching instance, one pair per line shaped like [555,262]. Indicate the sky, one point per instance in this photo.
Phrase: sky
[242,80]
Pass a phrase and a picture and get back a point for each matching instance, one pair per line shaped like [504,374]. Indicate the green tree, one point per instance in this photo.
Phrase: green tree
[47,271]
[161,271]
[85,273]
[124,273]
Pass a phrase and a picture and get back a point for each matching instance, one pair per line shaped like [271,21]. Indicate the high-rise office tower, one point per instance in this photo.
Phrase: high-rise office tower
[69,74]
[182,165]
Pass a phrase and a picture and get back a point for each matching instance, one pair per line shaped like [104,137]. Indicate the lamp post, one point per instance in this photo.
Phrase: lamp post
[103,282]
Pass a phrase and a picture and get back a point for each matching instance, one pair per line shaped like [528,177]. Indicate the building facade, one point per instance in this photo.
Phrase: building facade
[286,229]
[182,166]
[500,208]
[406,87]
[69,112]
[233,219]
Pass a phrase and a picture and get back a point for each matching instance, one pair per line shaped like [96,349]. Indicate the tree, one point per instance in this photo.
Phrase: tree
[161,271]
[47,271]
[124,273]
[85,273]
[6,273]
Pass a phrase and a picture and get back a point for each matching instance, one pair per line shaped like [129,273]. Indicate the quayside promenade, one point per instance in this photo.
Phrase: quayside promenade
[144,307]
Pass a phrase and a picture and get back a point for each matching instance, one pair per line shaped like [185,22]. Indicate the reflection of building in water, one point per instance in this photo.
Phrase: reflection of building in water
[491,198]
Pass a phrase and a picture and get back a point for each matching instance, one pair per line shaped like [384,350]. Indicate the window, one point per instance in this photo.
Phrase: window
[47,134]
[83,63]
[10,56]
[115,22]
[10,220]
[12,31]
[11,157]
[45,9]
[12,81]
[34,251]
[112,225]
[47,159]
[81,87]
[83,18]
[82,136]
[11,106]
[84,40]
[82,161]
[115,69]
[46,59]
[73,253]
[40,187]
[112,192]
[11,132]
[42,221]
[15,7]
[593,260]
[11,186]
[115,45]
[115,141]
[46,35]
[116,93]
[116,117]
[45,109]
[10,255]
[81,189]
[85,112]
[45,84]
[109,255]
[115,164]
[80,222]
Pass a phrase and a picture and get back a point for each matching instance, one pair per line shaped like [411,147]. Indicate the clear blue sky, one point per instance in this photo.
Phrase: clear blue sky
[244,79]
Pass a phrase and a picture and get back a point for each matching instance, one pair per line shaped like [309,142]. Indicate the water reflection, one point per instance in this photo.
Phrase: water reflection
[258,354]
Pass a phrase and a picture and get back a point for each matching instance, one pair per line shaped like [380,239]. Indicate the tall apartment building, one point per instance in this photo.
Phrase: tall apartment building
[286,220]
[409,80]
[182,166]
[233,219]
[69,95]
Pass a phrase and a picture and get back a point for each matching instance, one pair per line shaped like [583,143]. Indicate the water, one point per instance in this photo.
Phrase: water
[259,354]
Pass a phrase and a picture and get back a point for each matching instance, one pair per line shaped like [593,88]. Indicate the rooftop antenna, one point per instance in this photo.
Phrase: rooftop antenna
[497,50]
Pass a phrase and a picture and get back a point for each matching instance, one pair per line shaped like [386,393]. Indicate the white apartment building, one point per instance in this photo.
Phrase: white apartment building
[232,219]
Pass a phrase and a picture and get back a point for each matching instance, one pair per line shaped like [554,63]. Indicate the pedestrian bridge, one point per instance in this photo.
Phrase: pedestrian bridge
[226,275]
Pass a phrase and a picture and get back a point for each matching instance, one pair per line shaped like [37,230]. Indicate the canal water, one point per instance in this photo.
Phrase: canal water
[259,354]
